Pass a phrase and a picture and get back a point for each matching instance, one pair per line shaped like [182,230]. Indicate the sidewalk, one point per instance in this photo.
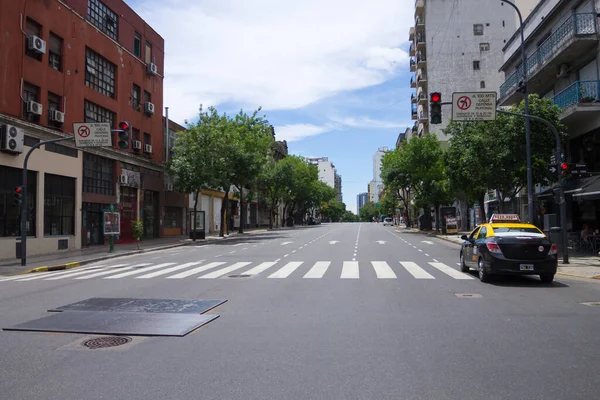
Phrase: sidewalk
[581,267]
[76,258]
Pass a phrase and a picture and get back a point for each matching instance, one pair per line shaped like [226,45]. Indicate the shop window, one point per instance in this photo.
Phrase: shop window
[10,213]
[173,217]
[98,175]
[59,205]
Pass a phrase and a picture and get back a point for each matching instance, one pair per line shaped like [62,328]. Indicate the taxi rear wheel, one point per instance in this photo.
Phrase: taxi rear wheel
[463,266]
[547,278]
[484,276]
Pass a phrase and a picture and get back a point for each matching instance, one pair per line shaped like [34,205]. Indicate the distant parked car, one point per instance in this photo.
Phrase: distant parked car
[388,221]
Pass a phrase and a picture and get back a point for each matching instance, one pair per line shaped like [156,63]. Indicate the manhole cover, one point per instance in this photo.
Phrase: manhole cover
[106,341]
[240,276]
[468,295]
[592,303]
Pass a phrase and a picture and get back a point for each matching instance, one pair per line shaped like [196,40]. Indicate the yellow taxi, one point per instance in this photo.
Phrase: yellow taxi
[505,245]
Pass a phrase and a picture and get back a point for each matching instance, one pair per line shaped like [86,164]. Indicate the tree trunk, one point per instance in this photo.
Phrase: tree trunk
[224,206]
[463,206]
[481,209]
[271,208]
[242,206]
[283,222]
[193,224]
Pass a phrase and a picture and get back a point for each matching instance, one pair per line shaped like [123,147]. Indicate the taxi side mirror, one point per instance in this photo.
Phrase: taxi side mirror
[464,237]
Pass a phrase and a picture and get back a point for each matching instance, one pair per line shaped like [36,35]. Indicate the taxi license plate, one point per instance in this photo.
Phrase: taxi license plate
[526,267]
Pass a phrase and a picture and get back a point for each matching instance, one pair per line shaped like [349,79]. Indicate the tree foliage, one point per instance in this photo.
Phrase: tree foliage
[368,212]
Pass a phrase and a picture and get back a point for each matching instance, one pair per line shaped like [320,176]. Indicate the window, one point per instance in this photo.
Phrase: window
[55,52]
[173,217]
[475,65]
[484,46]
[54,102]
[99,73]
[135,134]
[482,85]
[147,138]
[32,28]
[503,24]
[103,18]
[60,149]
[147,97]
[148,53]
[482,233]
[10,216]
[30,93]
[30,141]
[137,45]
[477,29]
[135,97]
[59,205]
[98,175]
[95,113]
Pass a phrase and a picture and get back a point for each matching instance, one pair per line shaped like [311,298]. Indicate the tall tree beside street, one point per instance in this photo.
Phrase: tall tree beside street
[368,212]
[275,180]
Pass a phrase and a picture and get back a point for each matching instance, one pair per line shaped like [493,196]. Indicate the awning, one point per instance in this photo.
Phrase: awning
[587,188]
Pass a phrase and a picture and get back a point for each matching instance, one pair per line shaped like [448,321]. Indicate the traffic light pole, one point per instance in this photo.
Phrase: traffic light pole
[561,192]
[24,203]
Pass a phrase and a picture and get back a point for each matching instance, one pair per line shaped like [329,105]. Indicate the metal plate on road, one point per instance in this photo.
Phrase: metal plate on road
[474,106]
[176,306]
[117,323]
[93,134]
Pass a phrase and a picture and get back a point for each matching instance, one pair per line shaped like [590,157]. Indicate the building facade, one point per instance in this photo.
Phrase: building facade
[456,46]
[338,186]
[372,188]
[361,200]
[562,50]
[79,61]
[377,182]
[327,170]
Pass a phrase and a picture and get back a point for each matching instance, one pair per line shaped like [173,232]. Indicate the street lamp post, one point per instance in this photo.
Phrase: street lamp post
[527,119]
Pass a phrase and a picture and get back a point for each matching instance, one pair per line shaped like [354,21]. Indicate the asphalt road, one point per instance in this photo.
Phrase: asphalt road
[339,311]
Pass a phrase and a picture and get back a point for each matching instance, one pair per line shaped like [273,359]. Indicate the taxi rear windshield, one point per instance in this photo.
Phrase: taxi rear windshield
[506,230]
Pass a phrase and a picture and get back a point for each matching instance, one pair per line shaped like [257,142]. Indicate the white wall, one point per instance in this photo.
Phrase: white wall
[327,173]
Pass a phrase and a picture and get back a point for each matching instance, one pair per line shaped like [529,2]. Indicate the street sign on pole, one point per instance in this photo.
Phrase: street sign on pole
[94,134]
[474,106]
[552,168]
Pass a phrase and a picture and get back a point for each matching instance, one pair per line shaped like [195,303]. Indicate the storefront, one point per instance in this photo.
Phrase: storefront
[150,214]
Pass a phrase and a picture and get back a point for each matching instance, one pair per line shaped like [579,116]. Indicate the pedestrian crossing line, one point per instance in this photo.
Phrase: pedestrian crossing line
[78,273]
[111,271]
[196,270]
[286,270]
[139,271]
[224,271]
[350,270]
[383,270]
[40,275]
[169,270]
[260,268]
[318,270]
[415,270]
[450,271]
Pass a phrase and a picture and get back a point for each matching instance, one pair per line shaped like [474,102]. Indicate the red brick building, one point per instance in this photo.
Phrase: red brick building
[67,61]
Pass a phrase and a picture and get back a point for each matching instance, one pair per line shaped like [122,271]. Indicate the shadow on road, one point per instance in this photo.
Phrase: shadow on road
[532,281]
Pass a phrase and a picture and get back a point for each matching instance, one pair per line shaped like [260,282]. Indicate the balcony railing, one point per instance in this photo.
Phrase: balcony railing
[413,98]
[413,64]
[578,92]
[421,57]
[419,21]
[582,24]
[420,36]
[413,84]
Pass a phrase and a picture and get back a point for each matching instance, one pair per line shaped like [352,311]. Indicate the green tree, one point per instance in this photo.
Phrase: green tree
[275,180]
[368,212]
[333,209]
[349,216]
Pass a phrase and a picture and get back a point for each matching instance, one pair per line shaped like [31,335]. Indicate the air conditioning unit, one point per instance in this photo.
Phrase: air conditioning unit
[57,116]
[149,108]
[147,148]
[137,145]
[169,187]
[11,138]
[152,69]
[123,179]
[36,44]
[34,108]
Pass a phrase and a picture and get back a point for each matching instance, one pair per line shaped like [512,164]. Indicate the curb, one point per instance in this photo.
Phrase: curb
[597,277]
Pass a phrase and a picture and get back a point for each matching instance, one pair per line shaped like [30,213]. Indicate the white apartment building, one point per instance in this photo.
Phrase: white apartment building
[456,46]
[562,50]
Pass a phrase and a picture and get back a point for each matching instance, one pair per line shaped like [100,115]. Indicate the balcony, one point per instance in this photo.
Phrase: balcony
[420,22]
[423,117]
[420,36]
[413,111]
[411,50]
[572,40]
[413,98]
[421,60]
[413,83]
[421,79]
[411,34]
[413,64]
[578,101]
[422,98]
[419,7]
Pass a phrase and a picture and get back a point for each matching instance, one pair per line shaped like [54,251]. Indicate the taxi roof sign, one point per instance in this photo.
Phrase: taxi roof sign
[496,218]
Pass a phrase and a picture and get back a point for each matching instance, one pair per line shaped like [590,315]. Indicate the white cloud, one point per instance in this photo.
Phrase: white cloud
[366,122]
[296,132]
[274,53]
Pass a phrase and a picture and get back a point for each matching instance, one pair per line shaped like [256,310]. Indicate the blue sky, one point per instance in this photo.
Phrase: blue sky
[331,75]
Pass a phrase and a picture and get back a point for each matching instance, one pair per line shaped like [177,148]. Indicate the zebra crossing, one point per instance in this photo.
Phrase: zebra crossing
[269,269]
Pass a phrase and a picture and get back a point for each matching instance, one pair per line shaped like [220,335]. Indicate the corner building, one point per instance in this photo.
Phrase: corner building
[73,61]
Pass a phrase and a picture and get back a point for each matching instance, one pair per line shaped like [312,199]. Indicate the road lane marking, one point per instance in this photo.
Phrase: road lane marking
[196,270]
[415,270]
[169,270]
[86,272]
[420,250]
[139,271]
[426,254]
[318,270]
[383,270]
[41,275]
[223,271]
[350,270]
[111,271]
[435,260]
[286,270]
[450,271]
[260,268]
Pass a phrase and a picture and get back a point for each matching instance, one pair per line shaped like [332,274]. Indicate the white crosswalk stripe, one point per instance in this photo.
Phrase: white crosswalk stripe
[214,270]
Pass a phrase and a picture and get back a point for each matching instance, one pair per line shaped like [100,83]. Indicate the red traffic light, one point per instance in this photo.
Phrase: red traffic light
[124,125]
[18,189]
[564,166]
[436,97]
